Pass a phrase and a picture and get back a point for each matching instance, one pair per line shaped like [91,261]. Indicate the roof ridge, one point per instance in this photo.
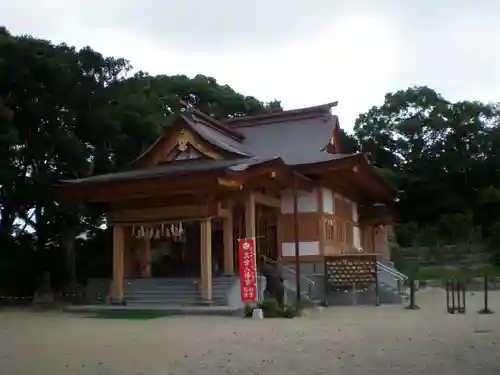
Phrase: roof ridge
[218,125]
[262,119]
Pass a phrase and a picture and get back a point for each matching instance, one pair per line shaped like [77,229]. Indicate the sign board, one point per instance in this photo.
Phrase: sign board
[248,269]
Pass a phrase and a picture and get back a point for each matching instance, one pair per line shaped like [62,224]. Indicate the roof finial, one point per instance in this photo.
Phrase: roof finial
[186,106]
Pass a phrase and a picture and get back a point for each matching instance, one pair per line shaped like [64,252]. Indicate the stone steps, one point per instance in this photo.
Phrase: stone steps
[174,291]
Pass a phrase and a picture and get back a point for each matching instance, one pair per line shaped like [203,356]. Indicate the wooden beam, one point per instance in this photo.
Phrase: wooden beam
[138,188]
[224,211]
[337,185]
[267,200]
[166,201]
[332,165]
[163,213]
[230,182]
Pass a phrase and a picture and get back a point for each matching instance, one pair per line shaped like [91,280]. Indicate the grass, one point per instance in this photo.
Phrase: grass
[130,315]
[465,273]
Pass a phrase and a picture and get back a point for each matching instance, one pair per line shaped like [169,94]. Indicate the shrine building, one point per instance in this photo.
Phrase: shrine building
[178,210]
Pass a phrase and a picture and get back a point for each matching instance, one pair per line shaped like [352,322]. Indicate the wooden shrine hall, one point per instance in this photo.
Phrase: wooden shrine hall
[179,208]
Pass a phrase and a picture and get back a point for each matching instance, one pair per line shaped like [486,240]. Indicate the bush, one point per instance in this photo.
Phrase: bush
[248,311]
[288,312]
[271,309]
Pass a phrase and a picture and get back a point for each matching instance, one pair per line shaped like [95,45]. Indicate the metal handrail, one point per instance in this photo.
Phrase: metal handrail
[302,277]
[292,271]
[393,272]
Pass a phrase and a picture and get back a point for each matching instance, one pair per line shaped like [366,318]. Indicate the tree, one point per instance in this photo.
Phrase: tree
[442,155]
[67,113]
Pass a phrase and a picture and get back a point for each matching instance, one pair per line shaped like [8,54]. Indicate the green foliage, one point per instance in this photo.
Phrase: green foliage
[248,310]
[444,159]
[289,312]
[68,113]
[271,309]
[462,273]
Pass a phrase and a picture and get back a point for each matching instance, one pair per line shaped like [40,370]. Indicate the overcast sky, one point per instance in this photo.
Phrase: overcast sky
[300,52]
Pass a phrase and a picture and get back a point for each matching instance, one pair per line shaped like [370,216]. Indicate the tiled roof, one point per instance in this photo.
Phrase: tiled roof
[215,137]
[173,169]
[296,137]
[296,142]
[289,115]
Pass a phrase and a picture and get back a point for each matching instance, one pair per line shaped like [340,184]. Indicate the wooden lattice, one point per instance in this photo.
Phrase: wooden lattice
[348,271]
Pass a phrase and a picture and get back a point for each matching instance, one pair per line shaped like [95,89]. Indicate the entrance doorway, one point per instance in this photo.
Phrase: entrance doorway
[180,256]
[177,256]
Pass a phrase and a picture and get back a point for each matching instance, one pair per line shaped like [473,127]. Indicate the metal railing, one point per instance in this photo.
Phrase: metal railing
[310,282]
[391,273]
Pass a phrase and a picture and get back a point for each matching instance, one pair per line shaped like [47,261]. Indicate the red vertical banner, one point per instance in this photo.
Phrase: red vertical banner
[248,269]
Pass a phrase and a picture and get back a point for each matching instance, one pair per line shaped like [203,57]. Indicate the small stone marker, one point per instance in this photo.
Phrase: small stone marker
[319,309]
[257,314]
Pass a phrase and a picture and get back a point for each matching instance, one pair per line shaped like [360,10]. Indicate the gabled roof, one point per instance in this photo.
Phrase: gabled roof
[214,136]
[299,136]
[220,137]
[218,125]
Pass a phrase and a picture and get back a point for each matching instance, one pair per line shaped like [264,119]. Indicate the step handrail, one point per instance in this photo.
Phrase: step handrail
[291,271]
[301,276]
[394,273]
[391,271]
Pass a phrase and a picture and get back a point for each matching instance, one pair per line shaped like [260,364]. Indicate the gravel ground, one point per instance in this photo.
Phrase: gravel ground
[342,340]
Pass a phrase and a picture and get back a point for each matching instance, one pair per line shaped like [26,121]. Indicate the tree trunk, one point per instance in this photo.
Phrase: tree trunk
[68,243]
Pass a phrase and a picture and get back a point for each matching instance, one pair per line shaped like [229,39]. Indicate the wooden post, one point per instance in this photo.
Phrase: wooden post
[296,239]
[250,217]
[146,263]
[228,245]
[206,261]
[116,295]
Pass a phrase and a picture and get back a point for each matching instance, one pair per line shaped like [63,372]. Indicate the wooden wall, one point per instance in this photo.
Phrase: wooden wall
[330,222]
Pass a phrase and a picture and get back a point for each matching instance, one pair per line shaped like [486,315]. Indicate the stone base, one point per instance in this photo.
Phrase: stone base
[117,301]
[44,298]
[485,311]
[412,307]
[206,302]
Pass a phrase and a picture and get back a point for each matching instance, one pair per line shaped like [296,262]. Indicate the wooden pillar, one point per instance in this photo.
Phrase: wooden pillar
[296,238]
[250,217]
[116,295]
[146,257]
[228,245]
[206,260]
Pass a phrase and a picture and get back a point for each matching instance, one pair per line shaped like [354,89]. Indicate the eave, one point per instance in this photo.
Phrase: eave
[199,184]
[354,175]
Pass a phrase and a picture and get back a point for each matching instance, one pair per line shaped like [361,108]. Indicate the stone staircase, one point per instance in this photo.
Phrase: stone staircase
[174,291]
